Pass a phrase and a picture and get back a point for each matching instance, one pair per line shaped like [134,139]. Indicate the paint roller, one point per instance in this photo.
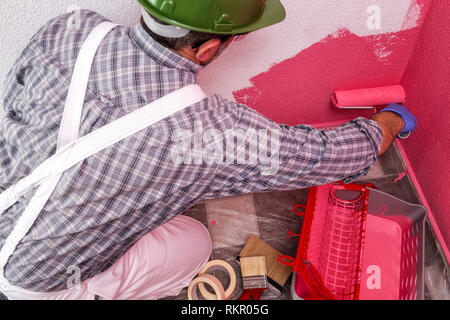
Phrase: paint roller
[371,98]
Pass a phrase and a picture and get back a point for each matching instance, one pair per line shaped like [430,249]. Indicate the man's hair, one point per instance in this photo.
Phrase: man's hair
[193,39]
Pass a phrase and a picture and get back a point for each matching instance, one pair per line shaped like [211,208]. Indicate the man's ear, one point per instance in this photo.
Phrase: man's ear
[207,51]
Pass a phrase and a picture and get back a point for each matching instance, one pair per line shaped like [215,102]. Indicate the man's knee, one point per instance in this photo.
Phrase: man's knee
[194,236]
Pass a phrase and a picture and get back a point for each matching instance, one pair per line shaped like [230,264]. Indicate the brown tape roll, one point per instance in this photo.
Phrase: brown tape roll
[212,281]
[218,265]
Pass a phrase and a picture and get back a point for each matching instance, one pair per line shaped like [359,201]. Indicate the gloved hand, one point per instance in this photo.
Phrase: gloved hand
[408,118]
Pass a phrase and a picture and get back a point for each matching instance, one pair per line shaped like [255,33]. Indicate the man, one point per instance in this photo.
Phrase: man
[113,223]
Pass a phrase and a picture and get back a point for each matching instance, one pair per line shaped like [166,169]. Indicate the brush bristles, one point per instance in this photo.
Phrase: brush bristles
[255,282]
[276,271]
[253,266]
[254,272]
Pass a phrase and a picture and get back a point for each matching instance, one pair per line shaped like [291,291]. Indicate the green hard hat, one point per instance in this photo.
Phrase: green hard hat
[217,16]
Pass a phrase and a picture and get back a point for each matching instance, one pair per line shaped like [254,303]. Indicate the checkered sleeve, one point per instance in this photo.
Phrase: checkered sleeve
[282,157]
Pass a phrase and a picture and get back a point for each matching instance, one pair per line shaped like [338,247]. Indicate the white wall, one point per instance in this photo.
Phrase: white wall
[20,19]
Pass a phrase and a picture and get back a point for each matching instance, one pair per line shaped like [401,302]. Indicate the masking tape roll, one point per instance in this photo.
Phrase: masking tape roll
[215,265]
[212,281]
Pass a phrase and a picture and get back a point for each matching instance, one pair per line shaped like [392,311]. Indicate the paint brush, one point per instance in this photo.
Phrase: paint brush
[277,273]
[254,277]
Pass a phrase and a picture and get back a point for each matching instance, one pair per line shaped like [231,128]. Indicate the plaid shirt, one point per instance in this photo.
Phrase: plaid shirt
[105,204]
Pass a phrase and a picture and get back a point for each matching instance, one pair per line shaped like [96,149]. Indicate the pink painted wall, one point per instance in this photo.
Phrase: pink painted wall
[289,71]
[427,83]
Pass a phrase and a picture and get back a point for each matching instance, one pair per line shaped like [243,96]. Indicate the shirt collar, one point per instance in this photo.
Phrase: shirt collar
[160,53]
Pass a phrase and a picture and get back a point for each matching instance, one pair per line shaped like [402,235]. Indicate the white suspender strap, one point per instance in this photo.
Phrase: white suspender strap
[70,123]
[102,138]
[68,132]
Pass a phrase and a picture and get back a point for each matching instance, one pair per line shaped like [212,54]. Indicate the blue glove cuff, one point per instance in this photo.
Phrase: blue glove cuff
[408,118]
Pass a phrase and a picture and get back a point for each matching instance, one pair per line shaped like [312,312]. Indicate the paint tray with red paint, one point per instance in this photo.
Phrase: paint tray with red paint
[358,243]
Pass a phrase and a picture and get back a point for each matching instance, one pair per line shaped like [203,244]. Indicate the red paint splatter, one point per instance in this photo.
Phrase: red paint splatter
[382,210]
[400,177]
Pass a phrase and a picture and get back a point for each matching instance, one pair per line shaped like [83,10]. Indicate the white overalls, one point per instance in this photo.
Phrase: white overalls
[143,259]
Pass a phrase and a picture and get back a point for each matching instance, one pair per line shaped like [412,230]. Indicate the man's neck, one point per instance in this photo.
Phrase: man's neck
[188,54]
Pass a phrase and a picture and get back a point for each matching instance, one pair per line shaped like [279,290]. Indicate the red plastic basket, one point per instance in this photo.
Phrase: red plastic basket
[346,230]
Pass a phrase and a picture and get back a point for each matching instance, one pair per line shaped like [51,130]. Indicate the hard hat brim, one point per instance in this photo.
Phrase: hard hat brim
[273,13]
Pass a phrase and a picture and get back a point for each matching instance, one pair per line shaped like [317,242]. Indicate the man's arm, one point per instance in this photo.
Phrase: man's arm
[300,156]
[391,124]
